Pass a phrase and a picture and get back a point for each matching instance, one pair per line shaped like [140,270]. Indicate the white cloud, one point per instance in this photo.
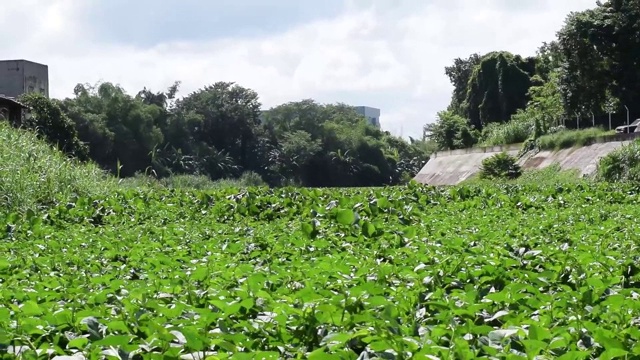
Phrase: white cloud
[388,54]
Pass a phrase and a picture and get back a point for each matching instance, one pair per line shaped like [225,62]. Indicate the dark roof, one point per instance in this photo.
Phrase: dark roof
[12,101]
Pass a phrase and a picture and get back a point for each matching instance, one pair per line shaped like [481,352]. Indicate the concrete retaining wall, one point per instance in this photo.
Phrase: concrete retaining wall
[454,167]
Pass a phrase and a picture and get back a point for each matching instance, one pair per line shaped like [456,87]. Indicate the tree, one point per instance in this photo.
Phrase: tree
[601,57]
[47,119]
[451,131]
[119,128]
[498,88]
[459,74]
[220,117]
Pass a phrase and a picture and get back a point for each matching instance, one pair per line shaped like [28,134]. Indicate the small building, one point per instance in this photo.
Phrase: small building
[18,77]
[11,110]
[372,114]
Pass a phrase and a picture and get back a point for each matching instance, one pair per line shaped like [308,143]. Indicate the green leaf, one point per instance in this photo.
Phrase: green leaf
[194,340]
[346,217]
[575,355]
[114,340]
[613,354]
[368,229]
[383,203]
[78,343]
[31,308]
[607,341]
[539,333]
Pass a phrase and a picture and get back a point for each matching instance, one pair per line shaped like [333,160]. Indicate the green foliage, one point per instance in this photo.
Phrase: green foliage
[48,121]
[219,132]
[33,174]
[498,88]
[325,273]
[516,131]
[591,68]
[552,175]
[118,128]
[621,165]
[600,55]
[451,131]
[459,74]
[500,166]
[570,138]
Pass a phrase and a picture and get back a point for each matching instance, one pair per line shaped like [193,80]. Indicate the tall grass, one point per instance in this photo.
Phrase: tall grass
[513,132]
[550,175]
[570,138]
[621,165]
[33,174]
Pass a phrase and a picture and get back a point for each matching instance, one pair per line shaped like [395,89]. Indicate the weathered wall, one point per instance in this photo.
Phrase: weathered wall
[36,78]
[21,76]
[453,167]
[11,78]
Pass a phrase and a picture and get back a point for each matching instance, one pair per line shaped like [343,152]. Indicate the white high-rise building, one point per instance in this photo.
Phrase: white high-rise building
[372,114]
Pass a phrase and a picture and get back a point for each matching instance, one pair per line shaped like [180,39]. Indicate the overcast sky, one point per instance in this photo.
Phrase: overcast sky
[388,54]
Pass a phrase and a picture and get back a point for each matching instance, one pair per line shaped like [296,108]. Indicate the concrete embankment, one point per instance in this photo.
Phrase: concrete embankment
[454,167]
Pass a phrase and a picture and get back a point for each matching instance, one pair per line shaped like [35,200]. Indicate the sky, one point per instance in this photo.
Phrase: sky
[388,54]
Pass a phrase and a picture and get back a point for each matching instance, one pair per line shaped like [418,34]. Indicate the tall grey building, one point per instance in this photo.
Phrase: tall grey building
[19,77]
[372,114]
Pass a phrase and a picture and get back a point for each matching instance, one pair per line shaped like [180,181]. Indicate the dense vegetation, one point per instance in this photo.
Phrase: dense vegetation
[220,132]
[397,273]
[177,266]
[590,70]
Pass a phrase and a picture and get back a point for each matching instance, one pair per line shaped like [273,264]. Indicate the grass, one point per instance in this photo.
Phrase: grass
[571,138]
[548,176]
[513,132]
[34,174]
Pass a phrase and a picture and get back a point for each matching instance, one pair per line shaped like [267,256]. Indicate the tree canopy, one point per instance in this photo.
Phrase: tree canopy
[221,131]
[592,67]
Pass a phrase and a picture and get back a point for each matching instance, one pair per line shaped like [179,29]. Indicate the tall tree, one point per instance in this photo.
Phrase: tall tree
[223,117]
[49,121]
[498,88]
[119,128]
[602,57]
[459,74]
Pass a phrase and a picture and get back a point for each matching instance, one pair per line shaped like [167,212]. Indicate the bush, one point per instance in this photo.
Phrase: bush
[250,178]
[500,166]
[621,165]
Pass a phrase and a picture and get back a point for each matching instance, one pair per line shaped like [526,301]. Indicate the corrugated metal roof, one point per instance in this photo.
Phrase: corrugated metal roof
[13,101]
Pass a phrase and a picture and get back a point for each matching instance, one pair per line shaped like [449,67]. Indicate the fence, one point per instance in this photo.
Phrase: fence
[605,121]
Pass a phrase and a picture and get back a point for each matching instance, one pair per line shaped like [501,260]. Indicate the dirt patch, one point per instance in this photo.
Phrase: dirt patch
[533,162]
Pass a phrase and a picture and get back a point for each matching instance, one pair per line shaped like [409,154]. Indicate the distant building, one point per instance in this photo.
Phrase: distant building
[372,114]
[19,77]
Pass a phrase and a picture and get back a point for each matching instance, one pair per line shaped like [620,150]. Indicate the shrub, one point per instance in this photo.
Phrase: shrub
[621,165]
[500,166]
[250,178]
